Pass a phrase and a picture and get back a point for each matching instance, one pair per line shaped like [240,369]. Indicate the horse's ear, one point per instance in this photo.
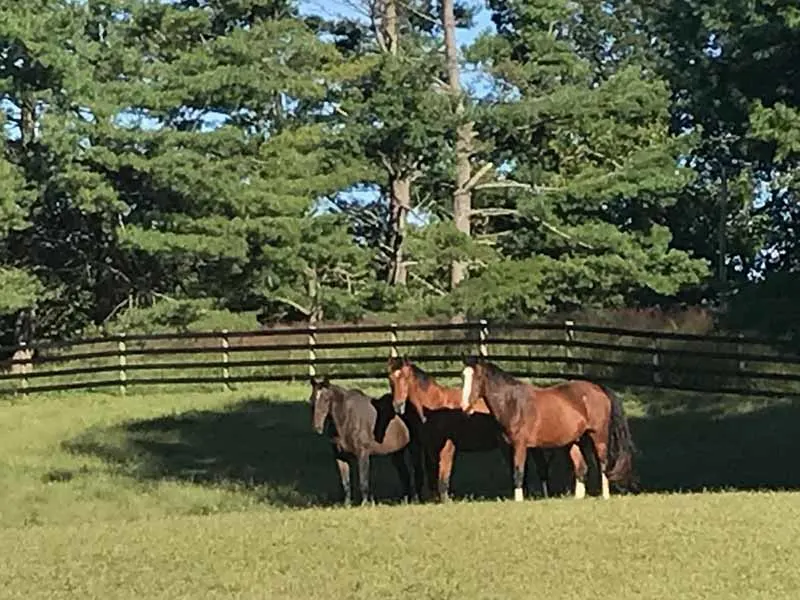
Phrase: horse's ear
[406,362]
[394,363]
[318,382]
[470,360]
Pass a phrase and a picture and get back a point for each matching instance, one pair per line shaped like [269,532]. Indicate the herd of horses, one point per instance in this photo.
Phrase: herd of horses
[578,419]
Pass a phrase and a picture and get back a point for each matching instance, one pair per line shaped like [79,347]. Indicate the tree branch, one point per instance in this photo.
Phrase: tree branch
[506,183]
[473,181]
[494,212]
[293,304]
[419,13]
[601,156]
[427,284]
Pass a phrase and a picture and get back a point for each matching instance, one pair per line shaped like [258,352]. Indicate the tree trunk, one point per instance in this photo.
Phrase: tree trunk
[400,199]
[390,26]
[400,185]
[27,120]
[462,199]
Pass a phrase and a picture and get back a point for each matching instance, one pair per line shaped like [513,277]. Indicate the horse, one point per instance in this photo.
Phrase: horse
[362,427]
[574,413]
[445,427]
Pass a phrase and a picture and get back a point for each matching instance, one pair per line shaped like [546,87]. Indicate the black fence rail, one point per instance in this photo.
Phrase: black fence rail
[735,364]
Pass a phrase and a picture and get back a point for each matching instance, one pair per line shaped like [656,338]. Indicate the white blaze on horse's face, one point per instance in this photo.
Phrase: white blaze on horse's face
[466,387]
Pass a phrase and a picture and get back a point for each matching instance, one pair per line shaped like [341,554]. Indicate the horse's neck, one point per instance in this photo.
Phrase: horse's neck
[504,405]
[435,397]
[338,410]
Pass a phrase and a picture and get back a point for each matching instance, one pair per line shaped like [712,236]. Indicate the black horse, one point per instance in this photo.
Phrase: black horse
[363,426]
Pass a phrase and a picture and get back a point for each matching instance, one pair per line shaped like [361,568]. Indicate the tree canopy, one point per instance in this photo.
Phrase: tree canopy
[262,158]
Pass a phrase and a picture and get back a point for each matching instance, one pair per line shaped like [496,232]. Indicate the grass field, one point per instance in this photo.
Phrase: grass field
[229,495]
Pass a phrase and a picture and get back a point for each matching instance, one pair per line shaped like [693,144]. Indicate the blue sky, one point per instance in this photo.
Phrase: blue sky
[349,8]
[471,79]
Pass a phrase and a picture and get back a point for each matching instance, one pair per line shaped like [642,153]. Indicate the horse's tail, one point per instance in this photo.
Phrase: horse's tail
[620,445]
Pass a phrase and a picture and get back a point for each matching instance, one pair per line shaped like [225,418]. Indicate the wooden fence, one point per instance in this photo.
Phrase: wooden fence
[542,351]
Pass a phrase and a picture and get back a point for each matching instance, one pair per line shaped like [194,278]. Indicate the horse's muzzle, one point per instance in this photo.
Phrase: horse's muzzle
[400,408]
[319,429]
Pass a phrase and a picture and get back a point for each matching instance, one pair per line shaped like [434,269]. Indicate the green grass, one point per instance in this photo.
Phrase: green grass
[715,546]
[189,495]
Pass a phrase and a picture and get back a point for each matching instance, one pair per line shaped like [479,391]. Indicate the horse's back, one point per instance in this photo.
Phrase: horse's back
[396,438]
[596,402]
[366,413]
[557,415]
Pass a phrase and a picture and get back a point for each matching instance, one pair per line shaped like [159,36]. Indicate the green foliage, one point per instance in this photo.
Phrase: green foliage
[190,151]
[592,151]
[20,290]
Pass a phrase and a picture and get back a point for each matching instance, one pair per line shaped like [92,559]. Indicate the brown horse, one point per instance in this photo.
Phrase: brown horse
[574,413]
[362,427]
[445,427]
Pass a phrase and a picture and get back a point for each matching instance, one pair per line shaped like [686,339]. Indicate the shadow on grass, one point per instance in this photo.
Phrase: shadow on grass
[268,449]
[731,444]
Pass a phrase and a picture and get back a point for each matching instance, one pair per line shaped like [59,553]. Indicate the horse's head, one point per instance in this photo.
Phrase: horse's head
[401,376]
[473,382]
[320,401]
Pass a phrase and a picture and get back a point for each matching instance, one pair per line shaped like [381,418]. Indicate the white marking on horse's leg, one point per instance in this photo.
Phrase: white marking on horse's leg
[466,388]
[518,497]
[606,489]
[580,489]
[545,491]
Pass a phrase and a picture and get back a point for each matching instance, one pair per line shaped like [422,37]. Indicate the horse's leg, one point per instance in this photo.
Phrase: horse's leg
[363,477]
[446,456]
[344,475]
[520,455]
[589,452]
[417,450]
[399,461]
[541,462]
[601,451]
[580,470]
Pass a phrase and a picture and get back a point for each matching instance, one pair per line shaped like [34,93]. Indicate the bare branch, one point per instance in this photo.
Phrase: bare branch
[506,183]
[293,304]
[163,296]
[427,284]
[601,156]
[419,13]
[473,181]
[494,212]
[562,234]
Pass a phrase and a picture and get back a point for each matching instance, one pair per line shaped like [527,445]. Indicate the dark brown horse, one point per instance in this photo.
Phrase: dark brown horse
[445,427]
[358,423]
[574,413]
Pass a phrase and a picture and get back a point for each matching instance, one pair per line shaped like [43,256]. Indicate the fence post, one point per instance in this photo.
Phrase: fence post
[122,361]
[312,352]
[569,337]
[656,362]
[226,357]
[393,340]
[26,367]
[739,351]
[483,336]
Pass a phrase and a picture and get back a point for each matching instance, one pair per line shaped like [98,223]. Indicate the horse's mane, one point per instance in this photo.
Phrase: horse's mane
[497,375]
[341,393]
[423,378]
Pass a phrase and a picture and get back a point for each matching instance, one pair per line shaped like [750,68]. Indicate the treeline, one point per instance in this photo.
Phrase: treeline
[169,162]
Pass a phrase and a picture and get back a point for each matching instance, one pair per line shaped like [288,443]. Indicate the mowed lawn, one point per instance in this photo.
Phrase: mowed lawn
[231,495]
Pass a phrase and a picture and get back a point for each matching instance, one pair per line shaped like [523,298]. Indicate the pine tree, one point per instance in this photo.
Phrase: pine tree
[589,167]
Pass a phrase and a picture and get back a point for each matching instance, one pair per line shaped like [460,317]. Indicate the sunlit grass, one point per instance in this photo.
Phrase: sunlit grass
[230,494]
